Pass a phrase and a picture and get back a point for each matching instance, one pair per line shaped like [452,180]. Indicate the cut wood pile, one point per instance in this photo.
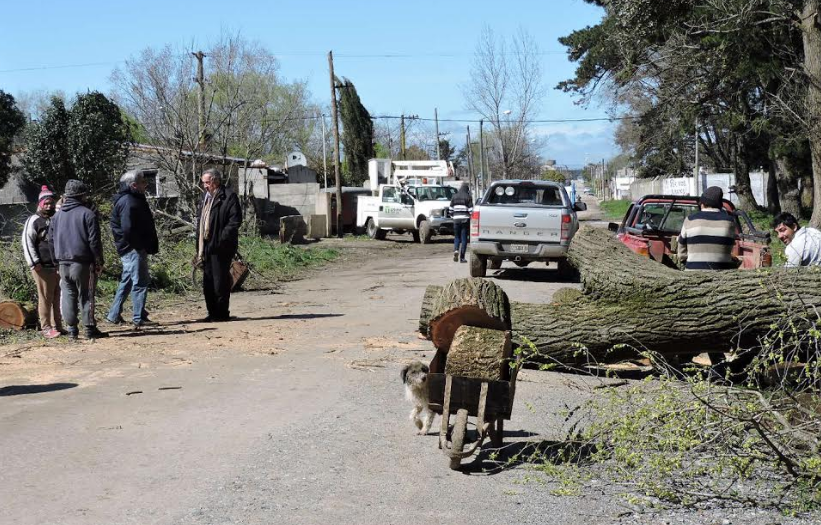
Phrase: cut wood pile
[627,299]
[480,353]
[16,316]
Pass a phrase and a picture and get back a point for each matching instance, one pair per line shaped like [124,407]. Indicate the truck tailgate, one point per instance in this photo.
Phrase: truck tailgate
[520,224]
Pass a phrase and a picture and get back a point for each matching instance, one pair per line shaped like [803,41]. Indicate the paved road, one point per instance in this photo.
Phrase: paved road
[292,414]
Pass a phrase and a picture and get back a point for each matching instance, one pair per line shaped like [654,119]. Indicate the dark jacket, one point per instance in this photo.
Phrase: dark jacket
[461,205]
[226,218]
[132,223]
[75,234]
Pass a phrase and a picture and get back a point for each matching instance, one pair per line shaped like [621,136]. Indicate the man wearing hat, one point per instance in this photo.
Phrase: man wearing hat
[707,237]
[75,232]
[37,251]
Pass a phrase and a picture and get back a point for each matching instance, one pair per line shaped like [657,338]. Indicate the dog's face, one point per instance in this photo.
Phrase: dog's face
[415,374]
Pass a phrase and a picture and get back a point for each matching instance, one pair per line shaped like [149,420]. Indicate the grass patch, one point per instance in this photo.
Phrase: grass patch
[170,269]
[614,210]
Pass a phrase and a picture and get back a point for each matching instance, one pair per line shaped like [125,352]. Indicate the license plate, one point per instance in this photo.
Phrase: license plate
[519,248]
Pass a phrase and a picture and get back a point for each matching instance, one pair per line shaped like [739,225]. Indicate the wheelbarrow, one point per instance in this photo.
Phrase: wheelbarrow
[490,402]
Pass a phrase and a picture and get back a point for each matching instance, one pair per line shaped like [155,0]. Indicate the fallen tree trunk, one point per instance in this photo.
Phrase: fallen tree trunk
[480,353]
[630,300]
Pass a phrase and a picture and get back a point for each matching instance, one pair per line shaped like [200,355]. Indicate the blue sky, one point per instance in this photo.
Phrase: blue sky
[436,39]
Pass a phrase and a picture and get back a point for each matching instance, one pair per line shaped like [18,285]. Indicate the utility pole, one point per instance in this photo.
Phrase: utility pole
[697,174]
[436,118]
[482,155]
[324,153]
[336,147]
[200,80]
[469,161]
[402,136]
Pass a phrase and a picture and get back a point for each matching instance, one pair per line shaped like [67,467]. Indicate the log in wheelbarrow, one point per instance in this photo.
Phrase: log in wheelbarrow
[490,402]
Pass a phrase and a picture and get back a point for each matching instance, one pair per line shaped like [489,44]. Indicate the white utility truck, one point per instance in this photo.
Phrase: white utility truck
[406,196]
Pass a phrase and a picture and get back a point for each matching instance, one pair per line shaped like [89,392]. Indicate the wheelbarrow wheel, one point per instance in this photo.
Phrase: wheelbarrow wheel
[458,438]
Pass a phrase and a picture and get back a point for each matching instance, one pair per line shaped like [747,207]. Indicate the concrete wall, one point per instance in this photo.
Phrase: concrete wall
[284,200]
[687,186]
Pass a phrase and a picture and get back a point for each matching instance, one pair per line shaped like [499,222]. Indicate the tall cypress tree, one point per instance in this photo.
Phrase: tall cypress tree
[12,121]
[357,134]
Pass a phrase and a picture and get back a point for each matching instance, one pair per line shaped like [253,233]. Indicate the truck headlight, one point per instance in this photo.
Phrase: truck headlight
[437,213]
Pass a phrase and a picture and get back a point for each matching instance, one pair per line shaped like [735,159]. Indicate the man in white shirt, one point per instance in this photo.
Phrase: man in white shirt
[803,244]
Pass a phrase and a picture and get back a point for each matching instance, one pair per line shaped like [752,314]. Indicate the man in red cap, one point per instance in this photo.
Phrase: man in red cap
[38,253]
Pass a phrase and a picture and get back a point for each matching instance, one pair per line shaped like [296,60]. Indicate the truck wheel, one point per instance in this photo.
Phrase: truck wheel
[415,234]
[494,264]
[373,231]
[478,265]
[425,233]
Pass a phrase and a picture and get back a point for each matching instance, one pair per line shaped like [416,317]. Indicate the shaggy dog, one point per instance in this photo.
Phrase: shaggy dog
[415,377]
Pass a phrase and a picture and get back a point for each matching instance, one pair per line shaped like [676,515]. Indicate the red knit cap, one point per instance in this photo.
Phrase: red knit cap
[45,193]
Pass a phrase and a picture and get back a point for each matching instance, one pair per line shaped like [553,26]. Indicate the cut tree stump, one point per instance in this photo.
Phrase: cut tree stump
[630,302]
[16,316]
[480,353]
[473,302]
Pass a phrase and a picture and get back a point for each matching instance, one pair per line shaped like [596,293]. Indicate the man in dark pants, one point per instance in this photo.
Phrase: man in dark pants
[218,220]
[461,206]
[75,234]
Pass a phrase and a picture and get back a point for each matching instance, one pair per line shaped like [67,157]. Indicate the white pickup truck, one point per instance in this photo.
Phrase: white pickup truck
[523,222]
[413,199]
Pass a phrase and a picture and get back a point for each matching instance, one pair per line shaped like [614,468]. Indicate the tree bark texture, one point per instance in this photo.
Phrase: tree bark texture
[811,37]
[473,302]
[789,195]
[630,300]
[480,353]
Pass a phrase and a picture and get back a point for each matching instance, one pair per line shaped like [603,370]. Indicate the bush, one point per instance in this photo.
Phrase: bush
[615,210]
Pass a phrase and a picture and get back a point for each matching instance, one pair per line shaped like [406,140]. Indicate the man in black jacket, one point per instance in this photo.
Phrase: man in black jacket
[135,237]
[218,220]
[75,235]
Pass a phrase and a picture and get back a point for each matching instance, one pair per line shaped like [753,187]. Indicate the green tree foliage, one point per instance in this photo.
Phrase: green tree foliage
[98,140]
[728,65]
[448,152]
[357,133]
[12,121]
[553,175]
[47,159]
[88,141]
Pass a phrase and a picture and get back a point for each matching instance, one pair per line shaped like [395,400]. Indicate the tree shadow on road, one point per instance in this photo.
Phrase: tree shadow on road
[158,331]
[491,461]
[18,390]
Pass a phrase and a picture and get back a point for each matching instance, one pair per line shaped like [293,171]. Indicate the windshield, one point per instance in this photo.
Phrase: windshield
[433,193]
[651,216]
[516,195]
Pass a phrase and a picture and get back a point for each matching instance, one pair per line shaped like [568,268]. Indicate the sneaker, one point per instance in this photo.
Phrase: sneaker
[51,333]
[463,260]
[92,332]
[455,256]
[72,333]
[119,320]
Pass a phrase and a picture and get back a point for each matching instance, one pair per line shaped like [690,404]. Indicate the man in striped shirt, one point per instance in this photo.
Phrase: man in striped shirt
[707,237]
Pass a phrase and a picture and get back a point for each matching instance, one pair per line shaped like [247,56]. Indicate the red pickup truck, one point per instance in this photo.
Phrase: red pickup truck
[652,224]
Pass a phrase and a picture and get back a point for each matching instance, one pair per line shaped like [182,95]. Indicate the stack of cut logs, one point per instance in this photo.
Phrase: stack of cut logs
[630,302]
[468,321]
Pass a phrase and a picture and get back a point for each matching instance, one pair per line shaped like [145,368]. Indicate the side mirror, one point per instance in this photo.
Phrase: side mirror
[579,206]
[613,227]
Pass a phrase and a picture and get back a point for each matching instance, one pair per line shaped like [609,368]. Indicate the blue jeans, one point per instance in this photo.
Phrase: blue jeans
[460,235]
[134,280]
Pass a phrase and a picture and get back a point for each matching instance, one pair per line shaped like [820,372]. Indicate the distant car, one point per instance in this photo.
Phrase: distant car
[652,224]
[522,221]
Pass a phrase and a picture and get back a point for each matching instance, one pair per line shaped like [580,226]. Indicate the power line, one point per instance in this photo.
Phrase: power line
[340,55]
